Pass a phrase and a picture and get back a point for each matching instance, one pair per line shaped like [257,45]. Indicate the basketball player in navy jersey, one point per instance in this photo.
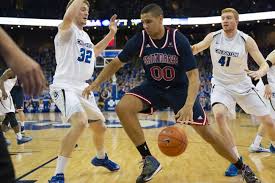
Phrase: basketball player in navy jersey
[172,80]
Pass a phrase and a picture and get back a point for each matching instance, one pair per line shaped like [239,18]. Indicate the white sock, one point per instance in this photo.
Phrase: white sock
[236,151]
[257,141]
[22,123]
[100,154]
[60,164]
[19,135]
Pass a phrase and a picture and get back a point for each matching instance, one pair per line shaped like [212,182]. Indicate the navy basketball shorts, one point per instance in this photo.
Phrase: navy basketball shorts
[173,97]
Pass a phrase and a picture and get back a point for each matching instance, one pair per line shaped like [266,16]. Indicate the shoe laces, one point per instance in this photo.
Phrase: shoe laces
[247,172]
[144,164]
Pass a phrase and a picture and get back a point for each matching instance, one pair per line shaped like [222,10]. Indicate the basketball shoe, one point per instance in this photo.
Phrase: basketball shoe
[151,167]
[58,178]
[106,162]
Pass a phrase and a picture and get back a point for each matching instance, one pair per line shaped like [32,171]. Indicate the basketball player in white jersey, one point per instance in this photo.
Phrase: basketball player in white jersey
[75,58]
[229,50]
[7,81]
[266,87]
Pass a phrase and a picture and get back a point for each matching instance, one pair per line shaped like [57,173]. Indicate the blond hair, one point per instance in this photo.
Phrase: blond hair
[71,1]
[232,10]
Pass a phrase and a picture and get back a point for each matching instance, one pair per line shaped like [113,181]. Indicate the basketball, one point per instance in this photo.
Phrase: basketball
[172,141]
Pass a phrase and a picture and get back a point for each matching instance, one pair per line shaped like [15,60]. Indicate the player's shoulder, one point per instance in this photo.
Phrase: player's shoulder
[179,36]
[137,38]
[243,35]
[215,33]
[139,34]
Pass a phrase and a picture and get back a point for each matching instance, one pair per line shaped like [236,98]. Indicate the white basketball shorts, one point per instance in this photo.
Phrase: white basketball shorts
[270,102]
[70,102]
[7,105]
[249,100]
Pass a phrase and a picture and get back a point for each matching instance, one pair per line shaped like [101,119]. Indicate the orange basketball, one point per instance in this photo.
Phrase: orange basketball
[172,141]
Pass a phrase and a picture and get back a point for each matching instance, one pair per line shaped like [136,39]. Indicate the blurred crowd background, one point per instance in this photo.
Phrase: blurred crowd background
[38,41]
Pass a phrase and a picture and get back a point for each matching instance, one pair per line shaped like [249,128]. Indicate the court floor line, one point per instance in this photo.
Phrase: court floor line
[33,170]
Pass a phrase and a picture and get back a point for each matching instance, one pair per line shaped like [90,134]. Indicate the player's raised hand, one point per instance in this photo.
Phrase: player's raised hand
[256,75]
[267,92]
[113,24]
[87,91]
[185,115]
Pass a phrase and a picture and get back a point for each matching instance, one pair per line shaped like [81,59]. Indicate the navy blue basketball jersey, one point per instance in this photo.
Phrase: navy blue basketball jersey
[165,64]
[161,64]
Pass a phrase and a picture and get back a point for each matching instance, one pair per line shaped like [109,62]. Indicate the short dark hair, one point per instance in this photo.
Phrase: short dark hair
[152,8]
[71,1]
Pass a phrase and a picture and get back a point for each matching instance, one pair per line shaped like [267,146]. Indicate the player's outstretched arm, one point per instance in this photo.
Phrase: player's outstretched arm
[255,53]
[25,68]
[204,44]
[105,74]
[70,14]
[102,45]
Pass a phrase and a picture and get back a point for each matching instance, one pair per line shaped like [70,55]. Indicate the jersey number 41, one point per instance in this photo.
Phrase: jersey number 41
[224,61]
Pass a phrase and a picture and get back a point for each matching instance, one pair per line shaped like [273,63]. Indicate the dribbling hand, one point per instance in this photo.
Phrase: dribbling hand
[185,115]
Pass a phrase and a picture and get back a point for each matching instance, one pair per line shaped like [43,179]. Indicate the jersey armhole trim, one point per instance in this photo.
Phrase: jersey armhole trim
[174,42]
[142,46]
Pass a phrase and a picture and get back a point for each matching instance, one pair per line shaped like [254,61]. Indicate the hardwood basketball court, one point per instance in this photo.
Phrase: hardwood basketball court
[35,161]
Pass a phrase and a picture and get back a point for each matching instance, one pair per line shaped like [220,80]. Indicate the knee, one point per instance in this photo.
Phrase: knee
[12,119]
[120,107]
[99,128]
[219,117]
[79,125]
[267,121]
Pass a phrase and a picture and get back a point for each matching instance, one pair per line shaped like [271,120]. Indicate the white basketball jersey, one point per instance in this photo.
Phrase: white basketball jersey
[9,84]
[229,58]
[75,59]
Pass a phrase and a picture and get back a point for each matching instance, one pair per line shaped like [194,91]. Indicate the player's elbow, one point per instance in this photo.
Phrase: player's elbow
[193,76]
[194,49]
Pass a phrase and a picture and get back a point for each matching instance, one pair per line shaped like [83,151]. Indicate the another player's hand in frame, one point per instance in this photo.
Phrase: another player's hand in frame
[87,91]
[267,92]
[256,75]
[25,68]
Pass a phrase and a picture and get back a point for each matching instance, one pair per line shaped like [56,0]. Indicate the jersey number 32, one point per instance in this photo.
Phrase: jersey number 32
[85,55]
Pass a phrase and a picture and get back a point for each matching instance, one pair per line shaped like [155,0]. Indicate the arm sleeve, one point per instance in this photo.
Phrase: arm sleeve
[131,49]
[185,52]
